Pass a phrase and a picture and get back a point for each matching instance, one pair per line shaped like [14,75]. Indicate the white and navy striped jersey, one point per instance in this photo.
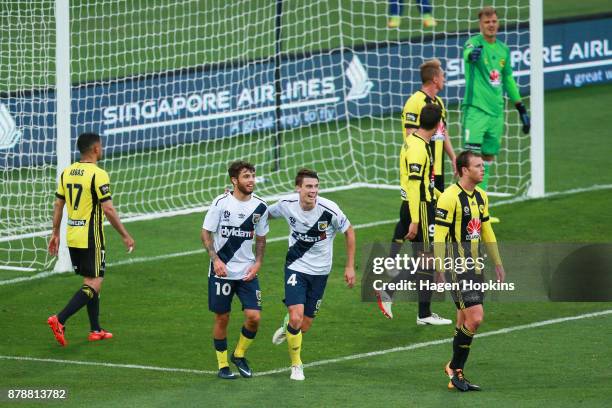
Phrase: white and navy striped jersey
[235,224]
[311,233]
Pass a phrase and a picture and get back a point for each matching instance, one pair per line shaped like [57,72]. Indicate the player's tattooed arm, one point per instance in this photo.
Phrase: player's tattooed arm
[218,265]
[260,248]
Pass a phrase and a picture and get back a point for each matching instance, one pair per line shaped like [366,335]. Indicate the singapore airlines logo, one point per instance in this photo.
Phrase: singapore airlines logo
[358,77]
[9,134]
[310,94]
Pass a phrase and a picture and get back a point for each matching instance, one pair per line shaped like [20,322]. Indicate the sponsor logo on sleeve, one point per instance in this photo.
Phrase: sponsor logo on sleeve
[256,218]
[441,213]
[412,117]
[415,167]
[105,189]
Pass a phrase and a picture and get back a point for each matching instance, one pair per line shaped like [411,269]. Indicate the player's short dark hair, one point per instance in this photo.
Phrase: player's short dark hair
[463,160]
[430,116]
[86,141]
[237,166]
[487,11]
[303,173]
[430,69]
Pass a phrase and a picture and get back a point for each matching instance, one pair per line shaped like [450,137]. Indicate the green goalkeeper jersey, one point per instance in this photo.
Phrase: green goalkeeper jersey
[487,78]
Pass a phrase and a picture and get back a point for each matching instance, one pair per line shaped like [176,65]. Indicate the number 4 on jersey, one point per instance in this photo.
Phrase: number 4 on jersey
[292,280]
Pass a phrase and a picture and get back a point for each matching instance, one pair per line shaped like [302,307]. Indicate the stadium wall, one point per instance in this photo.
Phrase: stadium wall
[166,109]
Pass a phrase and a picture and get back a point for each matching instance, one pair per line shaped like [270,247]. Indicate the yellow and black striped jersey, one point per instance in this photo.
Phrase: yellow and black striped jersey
[84,186]
[416,177]
[411,119]
[462,219]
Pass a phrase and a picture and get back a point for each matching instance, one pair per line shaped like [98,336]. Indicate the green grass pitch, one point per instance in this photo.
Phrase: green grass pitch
[155,303]
[157,309]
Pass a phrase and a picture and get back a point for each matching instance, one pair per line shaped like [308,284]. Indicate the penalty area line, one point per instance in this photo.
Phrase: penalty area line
[320,362]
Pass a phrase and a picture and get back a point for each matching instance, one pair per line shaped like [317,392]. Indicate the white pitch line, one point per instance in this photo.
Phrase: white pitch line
[130,261]
[93,363]
[320,362]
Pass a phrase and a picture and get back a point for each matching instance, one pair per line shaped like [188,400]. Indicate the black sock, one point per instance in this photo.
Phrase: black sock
[220,344]
[461,347]
[93,310]
[395,248]
[424,295]
[79,300]
[292,330]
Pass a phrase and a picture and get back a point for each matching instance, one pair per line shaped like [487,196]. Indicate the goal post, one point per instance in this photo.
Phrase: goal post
[63,111]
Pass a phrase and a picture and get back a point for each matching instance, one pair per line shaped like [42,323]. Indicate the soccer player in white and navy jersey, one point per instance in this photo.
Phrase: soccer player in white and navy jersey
[231,224]
[313,223]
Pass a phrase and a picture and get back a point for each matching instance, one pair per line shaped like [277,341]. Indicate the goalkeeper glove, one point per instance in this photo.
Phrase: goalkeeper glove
[524,116]
[475,54]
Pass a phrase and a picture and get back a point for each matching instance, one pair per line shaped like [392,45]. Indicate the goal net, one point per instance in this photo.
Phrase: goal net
[178,89]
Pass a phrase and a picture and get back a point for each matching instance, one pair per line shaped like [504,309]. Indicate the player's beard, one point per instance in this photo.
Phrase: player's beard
[244,189]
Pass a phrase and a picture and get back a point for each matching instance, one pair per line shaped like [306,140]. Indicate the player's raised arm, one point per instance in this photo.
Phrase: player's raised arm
[113,218]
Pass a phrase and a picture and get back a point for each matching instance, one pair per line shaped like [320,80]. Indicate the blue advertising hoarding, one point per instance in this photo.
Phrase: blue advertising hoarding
[168,109]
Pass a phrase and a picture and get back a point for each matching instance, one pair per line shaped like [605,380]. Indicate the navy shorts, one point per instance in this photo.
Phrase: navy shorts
[221,292]
[304,289]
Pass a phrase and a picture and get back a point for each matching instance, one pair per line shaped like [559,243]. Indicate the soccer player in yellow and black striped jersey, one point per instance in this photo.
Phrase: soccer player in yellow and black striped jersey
[432,78]
[416,211]
[84,189]
[462,224]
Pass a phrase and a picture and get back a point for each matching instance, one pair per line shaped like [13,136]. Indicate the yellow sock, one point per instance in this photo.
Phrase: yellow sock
[295,347]
[245,340]
[222,359]
[221,350]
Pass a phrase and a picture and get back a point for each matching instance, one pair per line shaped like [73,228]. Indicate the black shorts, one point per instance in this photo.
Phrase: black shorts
[424,238]
[466,297]
[89,262]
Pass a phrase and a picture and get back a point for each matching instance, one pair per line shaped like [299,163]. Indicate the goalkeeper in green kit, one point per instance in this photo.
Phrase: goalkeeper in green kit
[488,73]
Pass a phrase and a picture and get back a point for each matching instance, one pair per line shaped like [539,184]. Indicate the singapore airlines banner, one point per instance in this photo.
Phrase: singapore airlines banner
[162,110]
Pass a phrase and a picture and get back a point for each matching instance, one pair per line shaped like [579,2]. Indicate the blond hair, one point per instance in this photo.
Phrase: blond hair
[430,69]
[487,12]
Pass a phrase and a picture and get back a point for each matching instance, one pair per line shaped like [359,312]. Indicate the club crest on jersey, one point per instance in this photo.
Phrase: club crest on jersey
[226,215]
[322,225]
[256,218]
[473,229]
[494,77]
[502,62]
[291,220]
[481,208]
[466,210]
